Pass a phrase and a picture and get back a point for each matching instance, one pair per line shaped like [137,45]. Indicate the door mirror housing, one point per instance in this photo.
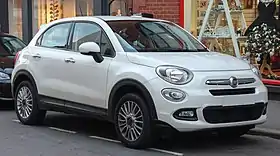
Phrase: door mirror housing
[91,49]
[88,48]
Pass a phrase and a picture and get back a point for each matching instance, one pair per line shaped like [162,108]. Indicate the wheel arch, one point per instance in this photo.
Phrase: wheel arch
[125,86]
[20,76]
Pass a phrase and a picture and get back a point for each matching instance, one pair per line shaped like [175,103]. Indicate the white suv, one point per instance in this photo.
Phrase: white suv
[135,72]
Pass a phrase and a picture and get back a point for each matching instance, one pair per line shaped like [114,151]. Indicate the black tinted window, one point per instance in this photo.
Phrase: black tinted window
[106,46]
[154,36]
[56,36]
[85,32]
[12,44]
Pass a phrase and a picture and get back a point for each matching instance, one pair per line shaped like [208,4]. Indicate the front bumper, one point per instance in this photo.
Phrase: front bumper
[198,97]
[5,90]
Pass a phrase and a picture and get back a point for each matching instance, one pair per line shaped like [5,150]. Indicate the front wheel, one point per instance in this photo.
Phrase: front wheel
[133,122]
[26,104]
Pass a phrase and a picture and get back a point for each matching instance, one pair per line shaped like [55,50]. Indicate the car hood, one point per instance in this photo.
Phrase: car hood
[195,61]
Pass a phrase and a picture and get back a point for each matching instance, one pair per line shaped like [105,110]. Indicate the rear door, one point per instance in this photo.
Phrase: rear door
[47,62]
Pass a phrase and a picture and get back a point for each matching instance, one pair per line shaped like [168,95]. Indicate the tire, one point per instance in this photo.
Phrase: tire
[232,133]
[142,139]
[26,104]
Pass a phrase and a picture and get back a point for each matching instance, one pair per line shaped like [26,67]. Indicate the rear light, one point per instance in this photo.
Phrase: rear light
[16,57]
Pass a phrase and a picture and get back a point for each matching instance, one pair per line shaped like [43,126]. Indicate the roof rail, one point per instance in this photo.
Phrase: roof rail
[148,15]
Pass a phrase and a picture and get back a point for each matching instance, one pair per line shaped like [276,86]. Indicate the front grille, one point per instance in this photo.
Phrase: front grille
[223,82]
[224,92]
[227,114]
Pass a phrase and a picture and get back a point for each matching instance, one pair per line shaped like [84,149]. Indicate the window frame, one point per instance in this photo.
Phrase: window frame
[40,38]
[102,32]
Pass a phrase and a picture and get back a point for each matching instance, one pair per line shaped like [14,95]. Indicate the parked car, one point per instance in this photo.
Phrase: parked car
[9,46]
[136,72]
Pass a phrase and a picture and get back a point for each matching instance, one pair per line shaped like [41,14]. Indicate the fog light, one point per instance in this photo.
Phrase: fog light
[188,114]
[174,95]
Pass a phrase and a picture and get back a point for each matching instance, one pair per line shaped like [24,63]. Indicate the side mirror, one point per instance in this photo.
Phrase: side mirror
[88,48]
[92,49]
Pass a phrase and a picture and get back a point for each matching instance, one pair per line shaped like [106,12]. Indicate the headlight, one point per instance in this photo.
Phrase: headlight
[174,75]
[256,71]
[4,76]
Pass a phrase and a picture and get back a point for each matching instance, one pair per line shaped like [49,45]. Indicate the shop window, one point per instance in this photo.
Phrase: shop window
[15,17]
[119,7]
[248,4]
[46,11]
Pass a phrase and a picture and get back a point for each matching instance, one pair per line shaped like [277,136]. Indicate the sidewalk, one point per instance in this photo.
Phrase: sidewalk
[271,127]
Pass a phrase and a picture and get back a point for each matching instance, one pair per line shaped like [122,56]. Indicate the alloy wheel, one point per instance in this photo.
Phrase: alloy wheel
[24,102]
[130,121]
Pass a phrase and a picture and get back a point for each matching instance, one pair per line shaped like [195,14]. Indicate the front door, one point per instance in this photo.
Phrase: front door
[88,79]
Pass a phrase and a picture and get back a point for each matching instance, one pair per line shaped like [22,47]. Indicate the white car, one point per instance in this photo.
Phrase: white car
[136,72]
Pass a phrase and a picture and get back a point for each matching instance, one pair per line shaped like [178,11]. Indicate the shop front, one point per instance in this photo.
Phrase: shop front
[261,49]
[26,16]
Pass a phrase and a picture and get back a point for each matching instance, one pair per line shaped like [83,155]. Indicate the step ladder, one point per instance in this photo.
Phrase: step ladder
[219,10]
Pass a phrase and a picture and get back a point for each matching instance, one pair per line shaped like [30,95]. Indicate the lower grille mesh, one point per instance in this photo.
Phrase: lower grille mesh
[223,92]
[227,114]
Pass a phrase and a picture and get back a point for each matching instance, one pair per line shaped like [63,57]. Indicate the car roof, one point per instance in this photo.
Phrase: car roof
[109,18]
[126,18]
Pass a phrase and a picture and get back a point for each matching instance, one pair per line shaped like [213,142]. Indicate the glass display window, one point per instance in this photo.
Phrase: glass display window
[46,11]
[15,17]
[120,7]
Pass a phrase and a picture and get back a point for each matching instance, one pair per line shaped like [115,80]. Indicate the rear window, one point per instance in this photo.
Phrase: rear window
[12,44]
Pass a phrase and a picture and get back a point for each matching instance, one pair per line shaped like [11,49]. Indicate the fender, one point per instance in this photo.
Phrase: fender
[25,73]
[139,86]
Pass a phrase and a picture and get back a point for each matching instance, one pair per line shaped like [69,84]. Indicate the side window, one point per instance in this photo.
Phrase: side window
[56,36]
[106,47]
[12,44]
[85,32]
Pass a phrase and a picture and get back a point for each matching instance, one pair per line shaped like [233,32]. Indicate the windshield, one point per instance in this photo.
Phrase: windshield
[12,44]
[154,36]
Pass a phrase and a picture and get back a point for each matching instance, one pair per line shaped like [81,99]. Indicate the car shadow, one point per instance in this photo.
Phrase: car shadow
[6,105]
[180,142]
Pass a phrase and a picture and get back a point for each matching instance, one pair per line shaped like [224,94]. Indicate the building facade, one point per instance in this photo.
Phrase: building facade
[23,18]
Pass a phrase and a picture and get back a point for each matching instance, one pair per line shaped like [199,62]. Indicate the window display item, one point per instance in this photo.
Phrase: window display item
[263,43]
[266,9]
[224,27]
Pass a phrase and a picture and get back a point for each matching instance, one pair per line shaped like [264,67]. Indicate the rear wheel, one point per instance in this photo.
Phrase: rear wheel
[133,122]
[26,104]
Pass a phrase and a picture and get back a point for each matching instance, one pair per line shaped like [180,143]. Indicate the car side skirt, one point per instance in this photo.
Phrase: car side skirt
[69,107]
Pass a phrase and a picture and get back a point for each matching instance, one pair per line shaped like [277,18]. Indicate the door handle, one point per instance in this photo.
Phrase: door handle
[69,60]
[36,55]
